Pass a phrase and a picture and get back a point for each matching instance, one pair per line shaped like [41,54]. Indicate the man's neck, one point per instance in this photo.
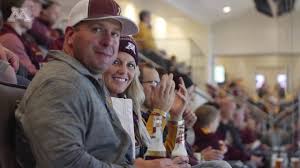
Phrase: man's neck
[68,50]
[17,28]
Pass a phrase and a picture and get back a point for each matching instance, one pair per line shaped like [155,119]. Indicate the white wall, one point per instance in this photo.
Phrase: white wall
[255,33]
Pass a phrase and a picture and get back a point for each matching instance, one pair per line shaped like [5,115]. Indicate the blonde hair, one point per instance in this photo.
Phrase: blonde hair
[135,92]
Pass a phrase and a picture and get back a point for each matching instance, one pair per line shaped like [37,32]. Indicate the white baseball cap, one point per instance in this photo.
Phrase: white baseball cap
[99,10]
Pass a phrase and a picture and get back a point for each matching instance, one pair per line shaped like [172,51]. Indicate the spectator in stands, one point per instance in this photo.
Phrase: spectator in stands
[145,40]
[239,116]
[68,105]
[37,7]
[263,91]
[276,136]
[57,34]
[207,142]
[154,102]
[248,128]
[145,37]
[10,35]
[42,26]
[32,47]
[280,92]
[122,80]
[150,79]
[248,133]
[231,135]
[227,130]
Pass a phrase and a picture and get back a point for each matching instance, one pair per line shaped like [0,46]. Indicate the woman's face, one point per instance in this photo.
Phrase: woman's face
[120,74]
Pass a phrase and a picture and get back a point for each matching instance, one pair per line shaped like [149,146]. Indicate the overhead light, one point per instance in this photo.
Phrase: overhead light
[226,9]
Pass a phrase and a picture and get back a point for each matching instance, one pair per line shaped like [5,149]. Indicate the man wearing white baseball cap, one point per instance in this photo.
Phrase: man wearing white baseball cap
[66,112]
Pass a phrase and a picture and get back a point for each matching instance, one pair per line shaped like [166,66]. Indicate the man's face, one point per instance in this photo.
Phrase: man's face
[36,8]
[52,13]
[228,108]
[149,82]
[28,5]
[95,43]
[147,19]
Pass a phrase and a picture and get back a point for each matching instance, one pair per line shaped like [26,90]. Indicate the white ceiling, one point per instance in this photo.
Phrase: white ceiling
[204,11]
[210,11]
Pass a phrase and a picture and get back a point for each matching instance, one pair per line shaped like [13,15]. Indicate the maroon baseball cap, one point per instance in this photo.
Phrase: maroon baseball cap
[100,10]
[128,45]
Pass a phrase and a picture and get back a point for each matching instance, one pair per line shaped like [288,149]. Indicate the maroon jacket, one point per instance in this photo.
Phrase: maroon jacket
[203,140]
[236,150]
[30,51]
[248,136]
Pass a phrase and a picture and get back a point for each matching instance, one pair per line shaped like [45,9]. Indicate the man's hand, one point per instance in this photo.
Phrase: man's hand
[182,162]
[189,117]
[180,103]
[164,94]
[223,147]
[10,57]
[211,154]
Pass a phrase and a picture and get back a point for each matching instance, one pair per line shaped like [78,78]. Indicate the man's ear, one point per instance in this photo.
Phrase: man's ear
[69,35]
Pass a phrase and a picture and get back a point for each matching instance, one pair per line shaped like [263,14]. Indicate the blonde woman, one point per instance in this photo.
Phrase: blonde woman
[121,80]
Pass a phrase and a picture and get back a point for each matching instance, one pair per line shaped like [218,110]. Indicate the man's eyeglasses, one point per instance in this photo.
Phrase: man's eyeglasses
[153,83]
